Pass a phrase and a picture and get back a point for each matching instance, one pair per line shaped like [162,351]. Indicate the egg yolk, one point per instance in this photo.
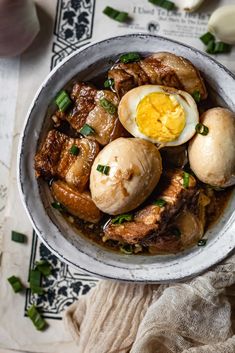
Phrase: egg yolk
[160,117]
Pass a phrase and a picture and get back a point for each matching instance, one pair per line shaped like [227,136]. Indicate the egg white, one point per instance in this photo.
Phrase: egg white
[128,107]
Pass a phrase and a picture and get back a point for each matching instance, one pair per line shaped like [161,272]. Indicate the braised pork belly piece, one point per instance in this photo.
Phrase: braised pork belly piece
[78,204]
[89,109]
[152,220]
[66,158]
[162,68]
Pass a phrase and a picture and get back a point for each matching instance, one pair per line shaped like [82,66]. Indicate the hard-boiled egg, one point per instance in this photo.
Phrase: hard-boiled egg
[159,114]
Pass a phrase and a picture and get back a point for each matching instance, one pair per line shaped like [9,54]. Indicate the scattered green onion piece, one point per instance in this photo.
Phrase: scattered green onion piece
[210,49]
[202,242]
[160,202]
[15,283]
[36,318]
[116,15]
[129,57]
[74,150]
[109,83]
[58,206]
[207,38]
[201,129]
[63,101]
[197,96]
[18,237]
[104,169]
[186,180]
[126,249]
[122,218]
[166,4]
[175,231]
[86,130]
[44,267]
[221,48]
[108,106]
[35,278]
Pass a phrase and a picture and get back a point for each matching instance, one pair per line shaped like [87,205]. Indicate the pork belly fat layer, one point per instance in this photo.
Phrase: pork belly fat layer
[152,220]
[55,159]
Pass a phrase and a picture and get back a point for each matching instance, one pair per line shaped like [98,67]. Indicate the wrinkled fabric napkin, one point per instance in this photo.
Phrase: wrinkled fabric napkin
[190,317]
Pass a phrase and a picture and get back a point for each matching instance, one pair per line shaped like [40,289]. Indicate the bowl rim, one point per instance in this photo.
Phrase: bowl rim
[20,162]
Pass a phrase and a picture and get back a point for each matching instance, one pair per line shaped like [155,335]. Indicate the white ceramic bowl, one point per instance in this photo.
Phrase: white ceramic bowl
[50,226]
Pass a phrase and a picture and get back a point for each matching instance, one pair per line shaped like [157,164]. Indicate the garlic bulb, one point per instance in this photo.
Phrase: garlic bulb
[19,26]
[222,24]
[188,5]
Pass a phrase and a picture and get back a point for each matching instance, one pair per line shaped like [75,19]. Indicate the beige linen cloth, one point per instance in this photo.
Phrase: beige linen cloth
[190,317]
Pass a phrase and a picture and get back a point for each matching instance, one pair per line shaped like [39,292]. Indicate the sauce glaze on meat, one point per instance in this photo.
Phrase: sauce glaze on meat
[152,229]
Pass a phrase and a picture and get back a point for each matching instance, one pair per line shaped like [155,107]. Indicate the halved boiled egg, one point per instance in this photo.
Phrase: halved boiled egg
[159,114]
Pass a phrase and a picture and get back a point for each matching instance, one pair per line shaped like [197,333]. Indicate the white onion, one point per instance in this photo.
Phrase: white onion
[222,24]
[19,26]
[188,5]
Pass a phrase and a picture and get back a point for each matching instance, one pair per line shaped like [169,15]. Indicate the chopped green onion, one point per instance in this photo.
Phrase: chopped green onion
[104,169]
[18,237]
[202,242]
[210,49]
[175,231]
[36,318]
[207,38]
[35,278]
[201,129]
[160,202]
[197,96]
[86,130]
[58,206]
[74,150]
[108,106]
[109,83]
[122,218]
[44,267]
[129,57]
[63,101]
[116,15]
[126,249]
[186,180]
[221,48]
[166,4]
[15,283]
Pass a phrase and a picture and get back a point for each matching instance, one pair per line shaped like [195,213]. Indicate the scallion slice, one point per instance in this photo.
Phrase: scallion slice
[108,106]
[63,101]
[201,129]
[126,249]
[221,48]
[109,83]
[86,130]
[186,180]
[104,169]
[210,49]
[165,4]
[18,237]
[202,242]
[116,15]
[36,318]
[129,57]
[15,283]
[206,38]
[44,267]
[160,202]
[74,150]
[197,96]
[35,278]
[58,206]
[122,218]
